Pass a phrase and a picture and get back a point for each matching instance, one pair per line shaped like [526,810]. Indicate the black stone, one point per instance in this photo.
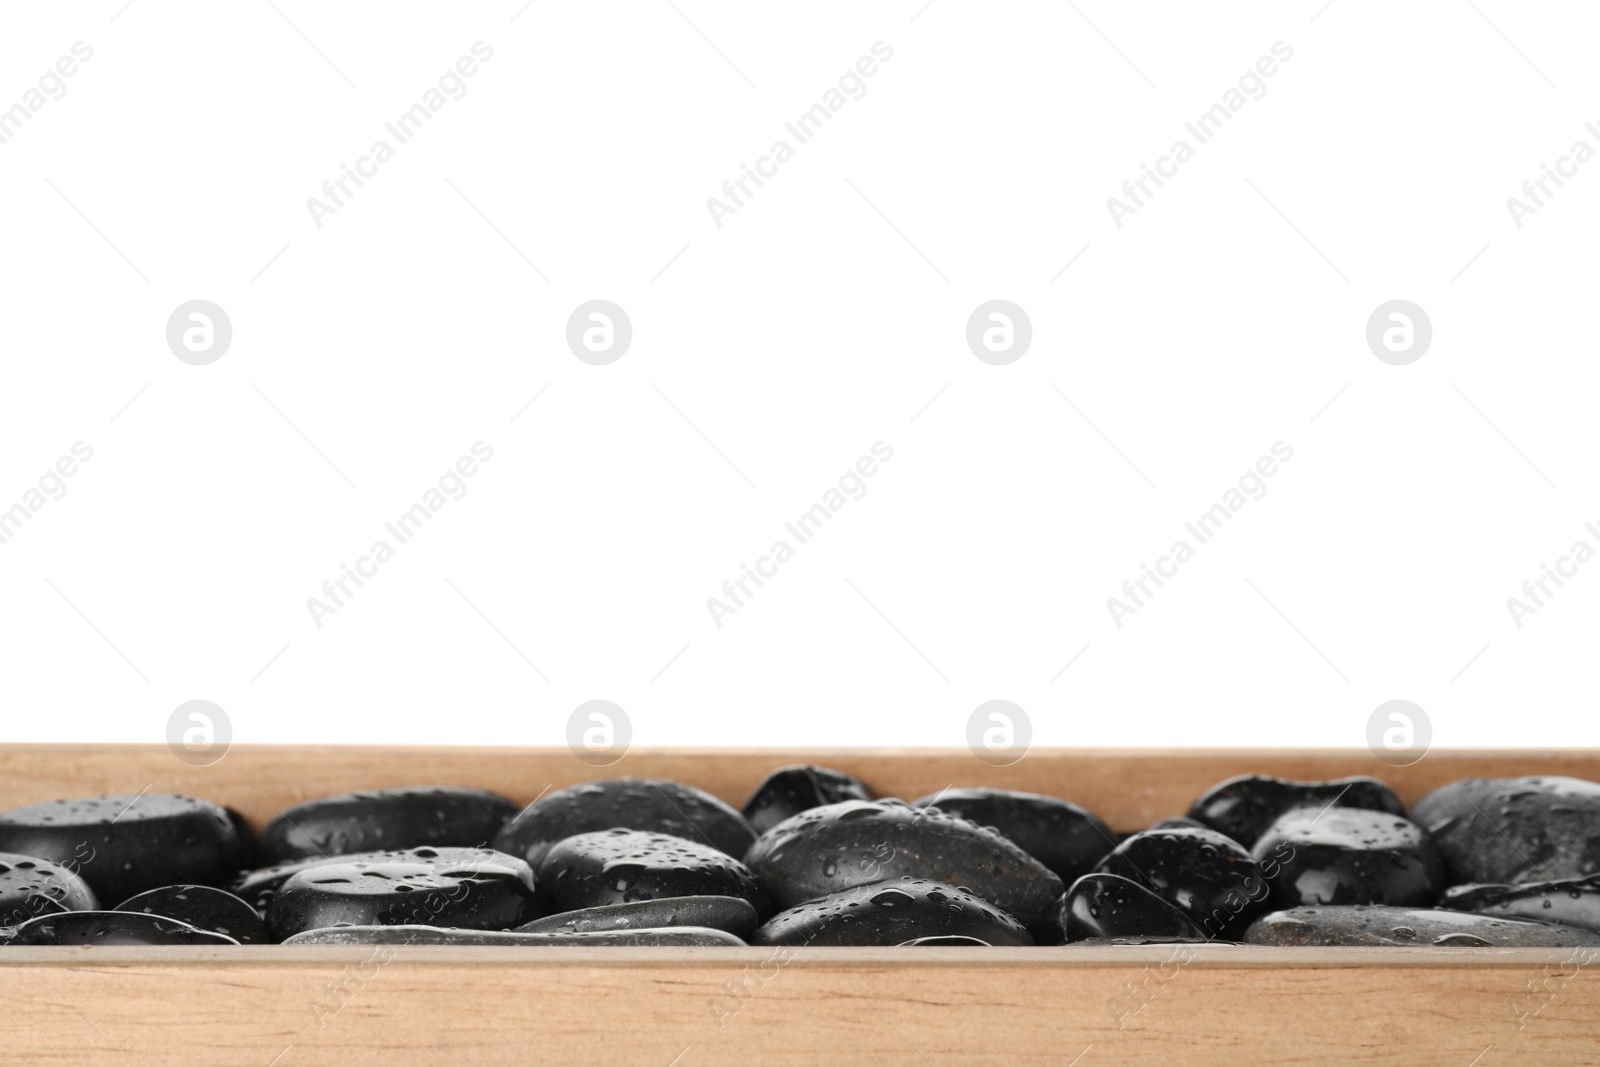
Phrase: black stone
[620,866]
[670,937]
[946,941]
[788,791]
[1243,807]
[1139,942]
[892,913]
[385,819]
[653,804]
[1110,906]
[1572,901]
[1210,876]
[203,908]
[1178,822]
[484,893]
[257,888]
[1514,830]
[103,928]
[738,917]
[123,845]
[1358,924]
[860,842]
[31,886]
[1349,856]
[1064,837]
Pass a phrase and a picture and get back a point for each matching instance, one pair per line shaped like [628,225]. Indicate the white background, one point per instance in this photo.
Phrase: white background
[824,316]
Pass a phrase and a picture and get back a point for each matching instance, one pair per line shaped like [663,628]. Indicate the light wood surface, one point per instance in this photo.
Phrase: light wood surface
[1239,1007]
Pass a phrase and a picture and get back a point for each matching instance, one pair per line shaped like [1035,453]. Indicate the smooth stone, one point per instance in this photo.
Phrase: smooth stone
[1139,942]
[31,886]
[1243,807]
[653,804]
[860,842]
[892,913]
[673,937]
[484,893]
[1178,822]
[1210,876]
[1064,837]
[122,845]
[788,791]
[946,941]
[203,908]
[1359,924]
[384,820]
[733,914]
[1111,906]
[108,928]
[257,888]
[1349,856]
[1513,830]
[1572,901]
[620,866]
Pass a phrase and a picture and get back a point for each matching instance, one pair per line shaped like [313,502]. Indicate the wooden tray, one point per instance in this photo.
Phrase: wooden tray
[1240,1007]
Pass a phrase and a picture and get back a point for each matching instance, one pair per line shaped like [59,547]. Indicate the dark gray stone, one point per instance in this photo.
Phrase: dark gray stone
[122,845]
[840,846]
[112,928]
[257,888]
[1349,856]
[892,913]
[733,914]
[203,908]
[1243,807]
[1064,837]
[31,886]
[671,937]
[1514,830]
[619,866]
[652,804]
[1359,924]
[1209,876]
[1111,906]
[1572,901]
[384,820]
[788,791]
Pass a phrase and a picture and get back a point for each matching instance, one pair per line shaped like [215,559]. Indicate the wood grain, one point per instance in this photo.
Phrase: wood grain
[1240,1007]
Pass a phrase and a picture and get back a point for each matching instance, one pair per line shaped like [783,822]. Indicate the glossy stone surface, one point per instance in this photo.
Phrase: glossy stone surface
[1349,856]
[1243,807]
[738,917]
[892,913]
[122,845]
[1514,829]
[1573,901]
[1209,876]
[1178,822]
[1110,906]
[1362,925]
[788,791]
[946,941]
[653,804]
[257,888]
[31,886]
[856,842]
[1064,837]
[384,820]
[620,866]
[105,928]
[671,937]
[483,893]
[203,908]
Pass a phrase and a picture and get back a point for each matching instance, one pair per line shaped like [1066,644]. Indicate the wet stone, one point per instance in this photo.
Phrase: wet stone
[892,913]
[840,846]
[733,914]
[1572,901]
[1178,822]
[31,887]
[1513,830]
[1243,807]
[492,893]
[668,937]
[788,791]
[257,888]
[384,820]
[1209,876]
[1064,837]
[652,804]
[621,866]
[1362,925]
[204,908]
[111,928]
[1110,906]
[1349,856]
[122,845]
[946,941]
